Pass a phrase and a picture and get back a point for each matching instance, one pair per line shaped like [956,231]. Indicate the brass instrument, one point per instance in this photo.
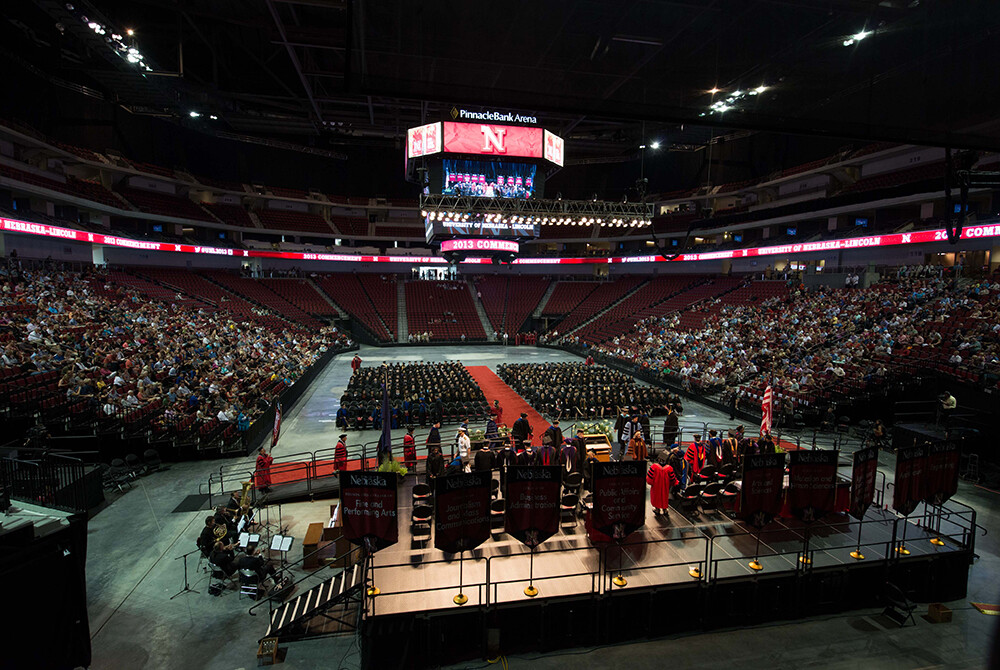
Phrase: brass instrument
[220,531]
[245,496]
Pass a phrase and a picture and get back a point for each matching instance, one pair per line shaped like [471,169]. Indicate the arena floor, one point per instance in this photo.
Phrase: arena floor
[133,570]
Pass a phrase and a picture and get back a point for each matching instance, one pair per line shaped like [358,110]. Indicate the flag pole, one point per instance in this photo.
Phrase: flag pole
[531,591]
[460,598]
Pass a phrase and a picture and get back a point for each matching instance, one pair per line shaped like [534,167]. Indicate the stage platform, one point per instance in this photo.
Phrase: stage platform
[701,558]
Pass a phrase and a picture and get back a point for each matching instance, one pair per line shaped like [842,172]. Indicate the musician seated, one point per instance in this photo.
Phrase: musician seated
[251,560]
[233,505]
[222,519]
[206,540]
[223,558]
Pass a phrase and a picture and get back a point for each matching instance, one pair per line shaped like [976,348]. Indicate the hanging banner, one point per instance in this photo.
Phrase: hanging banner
[863,481]
[619,498]
[762,491]
[812,483]
[462,511]
[368,503]
[532,507]
[276,431]
[942,472]
[908,487]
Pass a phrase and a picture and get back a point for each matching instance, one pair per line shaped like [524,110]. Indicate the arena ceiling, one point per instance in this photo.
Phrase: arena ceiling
[606,75]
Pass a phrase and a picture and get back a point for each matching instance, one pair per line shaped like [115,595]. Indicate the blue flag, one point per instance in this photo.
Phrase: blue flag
[385,440]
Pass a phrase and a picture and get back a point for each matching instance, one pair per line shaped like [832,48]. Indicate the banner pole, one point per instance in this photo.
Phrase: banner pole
[531,591]
[460,598]
[857,555]
[755,564]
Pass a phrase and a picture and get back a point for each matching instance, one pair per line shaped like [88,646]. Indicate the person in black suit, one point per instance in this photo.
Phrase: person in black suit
[206,540]
[252,561]
[223,558]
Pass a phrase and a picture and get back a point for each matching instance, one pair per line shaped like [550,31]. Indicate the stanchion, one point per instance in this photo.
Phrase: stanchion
[755,564]
[901,547]
[460,598]
[530,590]
[619,579]
[856,554]
[937,541]
[372,589]
[804,556]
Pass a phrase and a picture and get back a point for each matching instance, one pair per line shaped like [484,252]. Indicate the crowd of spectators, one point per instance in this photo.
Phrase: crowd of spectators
[579,390]
[825,343]
[419,393]
[115,351]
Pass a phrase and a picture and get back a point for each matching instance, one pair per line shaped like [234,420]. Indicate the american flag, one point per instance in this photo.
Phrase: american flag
[766,407]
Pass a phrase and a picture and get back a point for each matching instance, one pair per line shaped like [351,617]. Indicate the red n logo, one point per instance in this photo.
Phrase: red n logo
[493,137]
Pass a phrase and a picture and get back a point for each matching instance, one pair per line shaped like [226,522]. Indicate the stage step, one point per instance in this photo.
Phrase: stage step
[293,618]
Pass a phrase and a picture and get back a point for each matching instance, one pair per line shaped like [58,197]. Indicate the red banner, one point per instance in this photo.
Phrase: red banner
[812,483]
[942,472]
[863,481]
[276,431]
[532,508]
[762,492]
[619,498]
[492,139]
[908,487]
[368,503]
[462,514]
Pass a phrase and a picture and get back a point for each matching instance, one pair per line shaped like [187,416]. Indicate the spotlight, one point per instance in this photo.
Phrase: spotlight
[760,89]
[654,145]
[194,115]
[714,90]
[213,117]
[129,32]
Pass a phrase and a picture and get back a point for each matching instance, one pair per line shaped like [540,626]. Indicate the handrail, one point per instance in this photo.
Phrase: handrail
[311,574]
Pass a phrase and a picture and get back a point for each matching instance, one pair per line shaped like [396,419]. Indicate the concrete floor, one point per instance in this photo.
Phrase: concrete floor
[133,569]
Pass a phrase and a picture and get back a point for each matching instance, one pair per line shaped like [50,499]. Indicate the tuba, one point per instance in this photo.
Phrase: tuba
[245,497]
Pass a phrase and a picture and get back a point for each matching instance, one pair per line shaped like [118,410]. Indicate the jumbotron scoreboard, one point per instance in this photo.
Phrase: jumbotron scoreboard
[480,169]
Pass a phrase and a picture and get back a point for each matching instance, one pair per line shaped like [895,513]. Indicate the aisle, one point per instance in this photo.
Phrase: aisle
[495,389]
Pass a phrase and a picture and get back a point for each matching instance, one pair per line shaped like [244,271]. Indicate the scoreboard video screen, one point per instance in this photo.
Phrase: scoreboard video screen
[488,179]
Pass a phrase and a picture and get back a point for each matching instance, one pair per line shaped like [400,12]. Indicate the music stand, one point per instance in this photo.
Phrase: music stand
[281,544]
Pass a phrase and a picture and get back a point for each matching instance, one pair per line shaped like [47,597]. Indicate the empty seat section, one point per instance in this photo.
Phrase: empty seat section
[303,222]
[442,308]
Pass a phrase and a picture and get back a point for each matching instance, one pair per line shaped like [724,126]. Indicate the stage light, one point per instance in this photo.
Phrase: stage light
[714,90]
[642,146]
[760,89]
[213,117]
[129,32]
[654,145]
[194,115]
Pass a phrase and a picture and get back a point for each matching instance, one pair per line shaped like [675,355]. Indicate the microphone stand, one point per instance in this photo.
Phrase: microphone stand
[187,588]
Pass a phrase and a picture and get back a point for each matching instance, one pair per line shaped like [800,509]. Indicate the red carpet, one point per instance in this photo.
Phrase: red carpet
[512,404]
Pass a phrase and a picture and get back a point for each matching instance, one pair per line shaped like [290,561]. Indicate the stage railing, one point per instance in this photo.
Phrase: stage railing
[52,480]
[493,585]
[701,564]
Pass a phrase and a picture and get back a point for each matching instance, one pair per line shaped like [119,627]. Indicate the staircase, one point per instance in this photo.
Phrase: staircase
[483,319]
[402,325]
[340,312]
[603,311]
[327,608]
[545,300]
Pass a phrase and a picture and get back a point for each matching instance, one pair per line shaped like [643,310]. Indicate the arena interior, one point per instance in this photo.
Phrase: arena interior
[261,258]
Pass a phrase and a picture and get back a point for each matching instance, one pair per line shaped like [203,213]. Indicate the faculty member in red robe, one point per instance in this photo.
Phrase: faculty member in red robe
[263,471]
[410,450]
[694,456]
[340,454]
[660,478]
[355,363]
